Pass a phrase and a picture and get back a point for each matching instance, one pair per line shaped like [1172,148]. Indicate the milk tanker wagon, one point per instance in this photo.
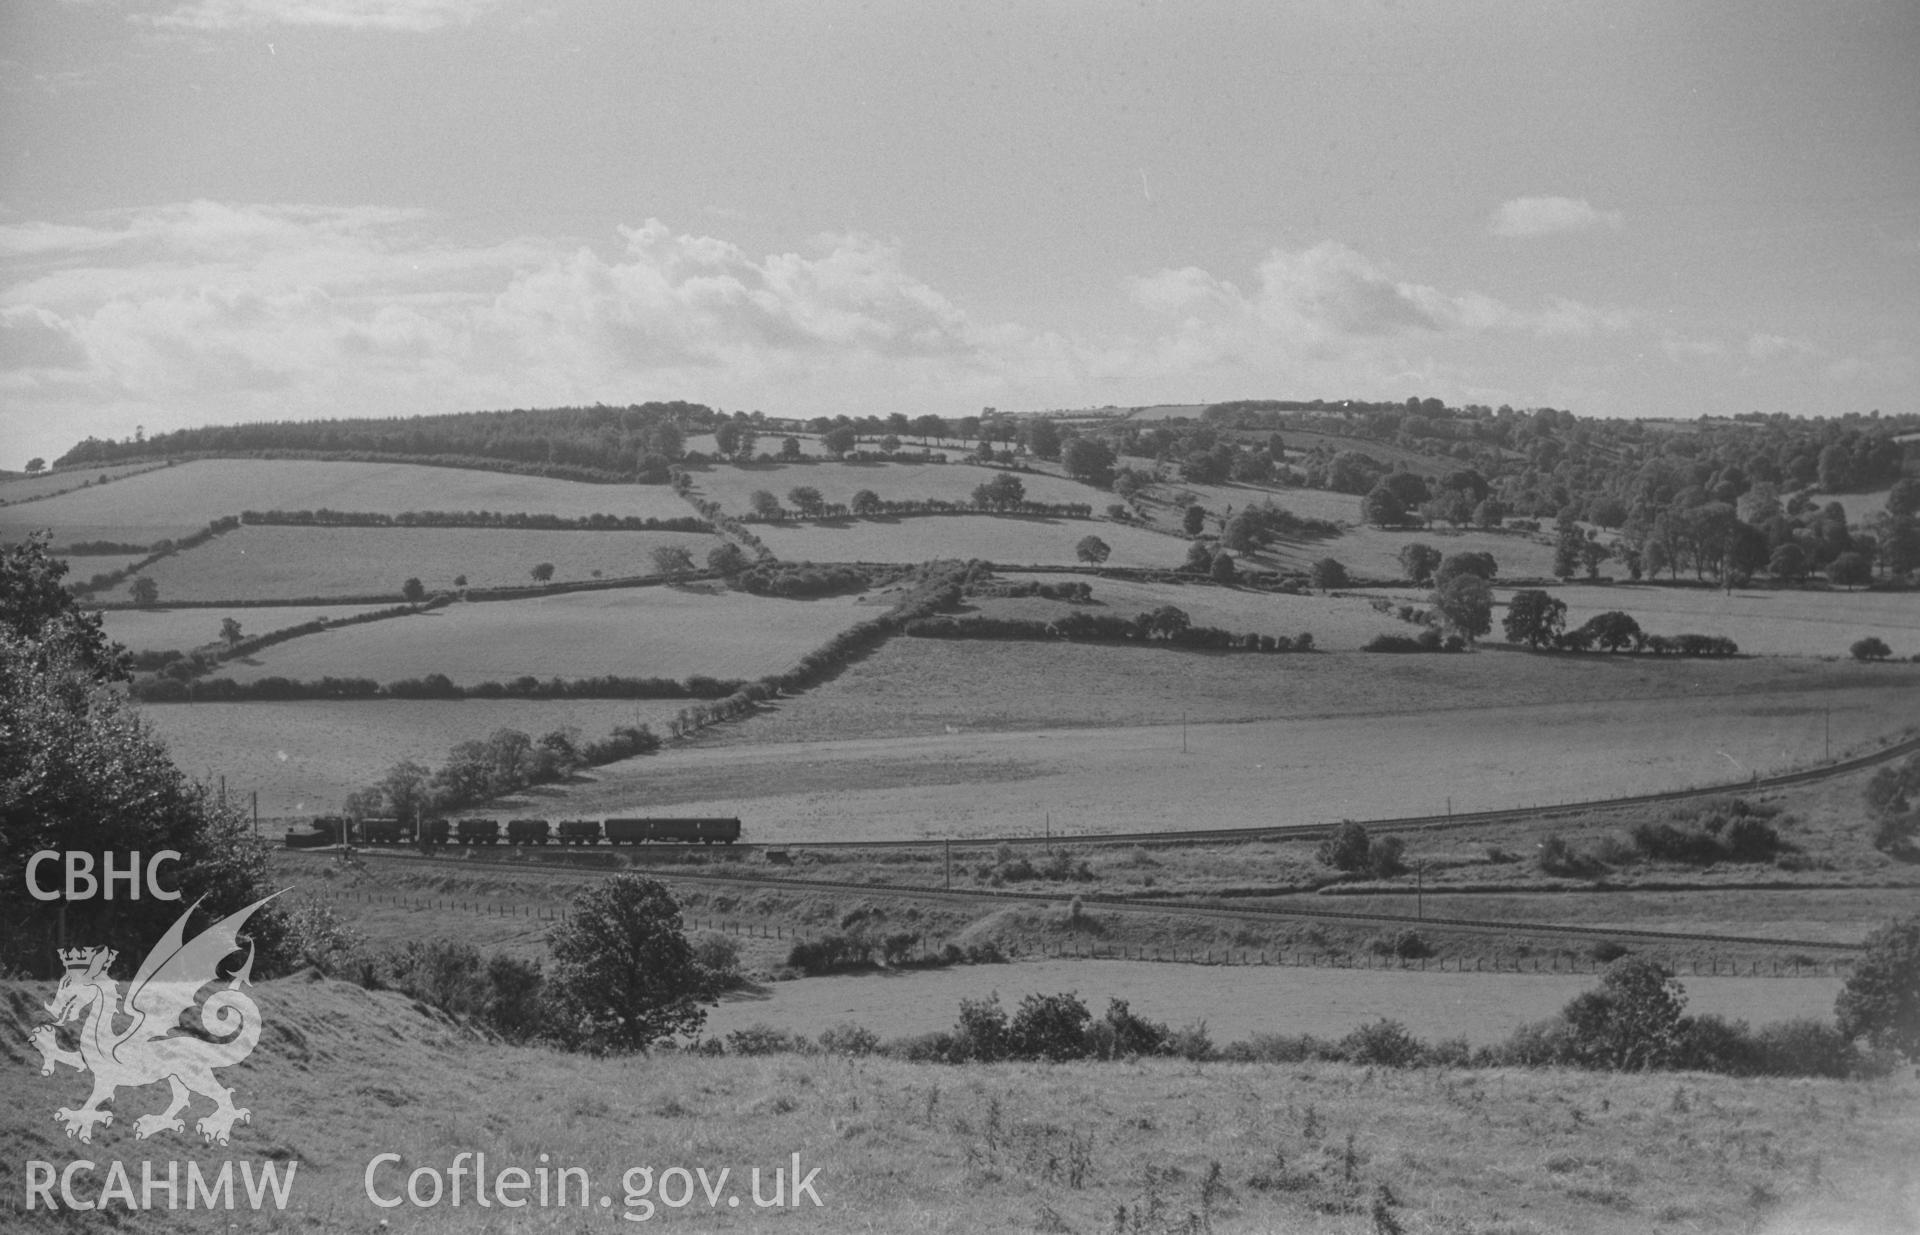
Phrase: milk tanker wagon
[336,830]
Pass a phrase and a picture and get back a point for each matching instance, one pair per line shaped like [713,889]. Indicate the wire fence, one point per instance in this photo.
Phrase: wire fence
[1087,949]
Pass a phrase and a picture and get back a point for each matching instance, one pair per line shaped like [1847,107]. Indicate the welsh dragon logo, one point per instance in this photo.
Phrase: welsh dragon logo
[154,1046]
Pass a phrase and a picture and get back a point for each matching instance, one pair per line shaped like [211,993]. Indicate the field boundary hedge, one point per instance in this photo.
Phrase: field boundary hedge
[520,520]
[1103,628]
[164,548]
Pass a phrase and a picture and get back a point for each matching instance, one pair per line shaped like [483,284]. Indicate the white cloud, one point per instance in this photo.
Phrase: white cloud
[205,311]
[1762,346]
[1329,297]
[399,15]
[1544,216]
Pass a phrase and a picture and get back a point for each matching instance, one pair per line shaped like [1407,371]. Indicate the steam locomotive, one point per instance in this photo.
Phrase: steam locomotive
[338,829]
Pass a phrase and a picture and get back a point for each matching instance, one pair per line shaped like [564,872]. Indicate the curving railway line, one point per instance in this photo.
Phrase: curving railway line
[1202,908]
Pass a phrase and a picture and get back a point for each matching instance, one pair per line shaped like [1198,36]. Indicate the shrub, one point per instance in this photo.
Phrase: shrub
[764,1040]
[1870,648]
[849,1039]
[718,954]
[1804,1048]
[1406,943]
[830,953]
[1881,998]
[624,975]
[1049,1027]
[1121,1035]
[981,1032]
[1383,1043]
[1347,848]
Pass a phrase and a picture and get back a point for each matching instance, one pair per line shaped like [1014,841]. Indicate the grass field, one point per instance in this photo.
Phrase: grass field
[935,1149]
[270,563]
[21,488]
[1238,1001]
[175,500]
[81,569]
[1374,552]
[1174,496]
[1336,623]
[1016,540]
[303,758]
[1763,621]
[1078,738]
[671,632]
[733,487]
[186,629]
[1857,505]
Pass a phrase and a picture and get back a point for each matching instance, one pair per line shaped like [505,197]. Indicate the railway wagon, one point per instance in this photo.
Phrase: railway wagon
[437,831]
[528,831]
[579,831]
[384,832]
[705,831]
[478,832]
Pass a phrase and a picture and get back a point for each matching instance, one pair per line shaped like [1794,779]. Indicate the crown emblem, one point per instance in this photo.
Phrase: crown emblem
[87,958]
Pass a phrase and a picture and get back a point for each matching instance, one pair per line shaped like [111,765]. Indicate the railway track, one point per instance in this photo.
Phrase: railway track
[1128,904]
[1405,823]
[1265,912]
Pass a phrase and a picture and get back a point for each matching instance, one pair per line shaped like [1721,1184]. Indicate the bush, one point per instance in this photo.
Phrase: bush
[624,975]
[1347,848]
[1870,648]
[764,1040]
[849,1039]
[1052,1027]
[1383,1043]
[1122,1035]
[831,953]
[1804,1048]
[718,954]
[1406,943]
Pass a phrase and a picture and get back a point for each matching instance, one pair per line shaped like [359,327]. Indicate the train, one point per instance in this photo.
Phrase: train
[339,829]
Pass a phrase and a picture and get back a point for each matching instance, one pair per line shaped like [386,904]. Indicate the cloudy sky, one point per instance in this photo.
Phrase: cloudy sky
[214,210]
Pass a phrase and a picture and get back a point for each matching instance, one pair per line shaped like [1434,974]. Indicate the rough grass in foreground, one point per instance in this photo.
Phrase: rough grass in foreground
[343,1074]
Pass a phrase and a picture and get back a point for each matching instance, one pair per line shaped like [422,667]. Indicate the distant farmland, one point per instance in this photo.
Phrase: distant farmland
[1374,552]
[23,488]
[1337,623]
[176,500]
[633,632]
[303,758]
[733,487]
[1016,540]
[185,629]
[931,739]
[272,563]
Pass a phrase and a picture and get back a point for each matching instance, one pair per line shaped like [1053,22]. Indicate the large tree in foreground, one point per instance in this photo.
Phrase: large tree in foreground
[80,772]
[1881,999]
[624,976]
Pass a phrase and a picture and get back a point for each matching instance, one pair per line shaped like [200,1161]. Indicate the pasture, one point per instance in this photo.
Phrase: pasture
[162,629]
[303,758]
[1374,552]
[1763,621]
[1859,506]
[19,487]
[930,738]
[1337,623]
[1299,1147]
[172,501]
[276,563]
[1014,539]
[1222,500]
[671,632]
[1237,1001]
[733,487]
